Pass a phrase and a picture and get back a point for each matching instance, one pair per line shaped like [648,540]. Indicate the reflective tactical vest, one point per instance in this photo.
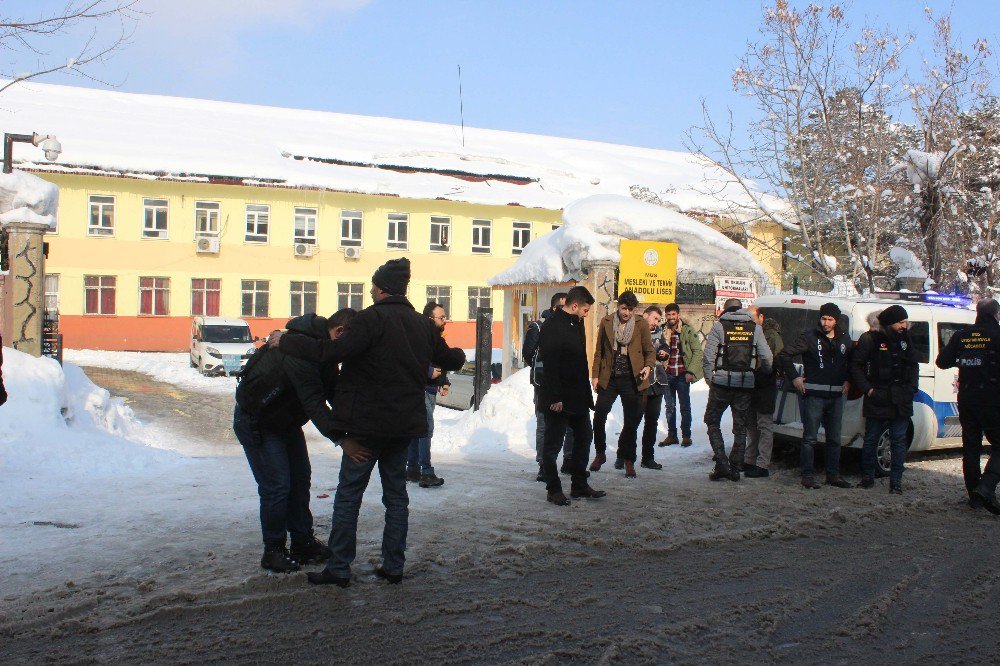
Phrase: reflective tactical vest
[736,353]
[977,358]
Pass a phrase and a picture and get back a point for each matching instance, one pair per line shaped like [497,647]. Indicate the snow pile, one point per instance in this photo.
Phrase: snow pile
[909,264]
[170,368]
[25,197]
[59,426]
[190,140]
[593,228]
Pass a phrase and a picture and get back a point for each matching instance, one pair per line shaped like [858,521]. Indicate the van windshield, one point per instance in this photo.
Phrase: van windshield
[225,333]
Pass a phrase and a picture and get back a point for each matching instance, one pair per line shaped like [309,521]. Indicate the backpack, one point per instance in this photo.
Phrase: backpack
[260,384]
[737,348]
[537,369]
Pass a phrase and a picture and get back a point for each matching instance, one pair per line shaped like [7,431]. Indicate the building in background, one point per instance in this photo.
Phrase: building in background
[172,208]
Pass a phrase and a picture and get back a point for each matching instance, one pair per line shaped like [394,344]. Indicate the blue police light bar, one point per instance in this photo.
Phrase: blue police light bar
[954,300]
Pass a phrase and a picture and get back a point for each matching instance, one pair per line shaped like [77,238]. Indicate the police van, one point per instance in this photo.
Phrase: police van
[933,318]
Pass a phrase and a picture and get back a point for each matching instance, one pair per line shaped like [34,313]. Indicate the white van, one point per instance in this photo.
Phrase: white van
[220,346]
[933,319]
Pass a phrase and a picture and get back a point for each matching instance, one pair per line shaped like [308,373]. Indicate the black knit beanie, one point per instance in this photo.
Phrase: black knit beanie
[393,276]
[892,315]
[829,310]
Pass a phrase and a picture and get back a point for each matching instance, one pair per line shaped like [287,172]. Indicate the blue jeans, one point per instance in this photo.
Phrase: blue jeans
[897,446]
[419,456]
[678,390]
[391,458]
[829,412]
[280,465]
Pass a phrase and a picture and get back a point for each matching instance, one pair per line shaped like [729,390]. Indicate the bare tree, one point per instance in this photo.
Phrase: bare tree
[91,19]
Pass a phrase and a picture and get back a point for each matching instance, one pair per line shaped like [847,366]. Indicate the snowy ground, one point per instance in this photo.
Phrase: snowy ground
[120,541]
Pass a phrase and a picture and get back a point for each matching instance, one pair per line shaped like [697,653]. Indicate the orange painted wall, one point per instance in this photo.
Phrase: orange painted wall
[172,334]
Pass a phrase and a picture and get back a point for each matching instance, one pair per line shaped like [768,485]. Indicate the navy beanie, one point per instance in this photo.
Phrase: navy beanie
[393,276]
[892,315]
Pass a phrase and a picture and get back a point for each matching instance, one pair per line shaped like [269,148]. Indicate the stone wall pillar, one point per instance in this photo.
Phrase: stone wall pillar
[26,285]
[601,282]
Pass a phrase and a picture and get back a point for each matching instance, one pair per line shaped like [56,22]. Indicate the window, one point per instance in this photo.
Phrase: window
[398,227]
[51,292]
[350,295]
[99,294]
[920,336]
[350,228]
[303,298]
[481,236]
[205,296]
[522,236]
[154,218]
[442,296]
[206,218]
[102,216]
[154,296]
[479,297]
[305,226]
[256,295]
[440,233]
[946,329]
[257,219]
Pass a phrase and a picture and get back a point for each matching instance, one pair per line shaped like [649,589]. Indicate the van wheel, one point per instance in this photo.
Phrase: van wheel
[883,452]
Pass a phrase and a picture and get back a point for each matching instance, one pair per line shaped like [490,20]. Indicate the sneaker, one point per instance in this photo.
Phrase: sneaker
[895,488]
[619,463]
[558,499]
[809,483]
[867,482]
[324,577]
[312,551]
[586,493]
[669,441]
[277,559]
[413,475]
[685,442]
[392,579]
[837,481]
[720,473]
[650,464]
[755,472]
[430,480]
[988,498]
[599,459]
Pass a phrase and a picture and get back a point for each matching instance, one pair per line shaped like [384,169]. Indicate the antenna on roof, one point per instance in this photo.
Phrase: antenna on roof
[461,105]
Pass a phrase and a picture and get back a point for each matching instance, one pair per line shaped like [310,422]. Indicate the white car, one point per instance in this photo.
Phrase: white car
[220,346]
[933,319]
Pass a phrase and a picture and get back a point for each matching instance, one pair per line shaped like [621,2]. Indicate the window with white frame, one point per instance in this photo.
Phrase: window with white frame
[99,294]
[154,296]
[398,231]
[350,228]
[350,295]
[256,298]
[154,218]
[479,297]
[440,233]
[258,216]
[305,226]
[482,236]
[206,294]
[303,298]
[102,216]
[522,236]
[51,292]
[440,295]
[206,218]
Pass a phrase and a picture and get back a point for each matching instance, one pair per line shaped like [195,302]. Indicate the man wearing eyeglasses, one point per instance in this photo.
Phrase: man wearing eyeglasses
[418,460]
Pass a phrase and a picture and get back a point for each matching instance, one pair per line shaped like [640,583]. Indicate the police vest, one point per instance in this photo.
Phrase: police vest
[977,358]
[736,352]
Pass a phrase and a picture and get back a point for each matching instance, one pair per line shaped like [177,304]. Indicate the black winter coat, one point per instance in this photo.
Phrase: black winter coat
[765,391]
[975,351]
[885,362]
[825,361]
[563,346]
[385,352]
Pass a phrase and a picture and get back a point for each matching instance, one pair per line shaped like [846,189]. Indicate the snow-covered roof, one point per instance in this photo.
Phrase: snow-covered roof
[156,136]
[594,226]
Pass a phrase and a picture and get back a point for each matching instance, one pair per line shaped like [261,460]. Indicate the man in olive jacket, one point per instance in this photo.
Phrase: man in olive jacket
[379,406]
[623,361]
[681,362]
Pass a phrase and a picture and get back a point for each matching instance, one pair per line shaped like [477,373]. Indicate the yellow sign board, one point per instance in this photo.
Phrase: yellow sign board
[649,270]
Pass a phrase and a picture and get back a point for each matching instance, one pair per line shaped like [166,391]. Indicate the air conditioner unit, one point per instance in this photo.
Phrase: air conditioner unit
[352,253]
[304,249]
[207,245]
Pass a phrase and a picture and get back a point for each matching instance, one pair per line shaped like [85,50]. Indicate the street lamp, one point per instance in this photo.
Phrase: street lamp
[48,143]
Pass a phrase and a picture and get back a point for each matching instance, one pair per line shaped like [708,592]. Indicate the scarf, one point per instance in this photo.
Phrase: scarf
[623,335]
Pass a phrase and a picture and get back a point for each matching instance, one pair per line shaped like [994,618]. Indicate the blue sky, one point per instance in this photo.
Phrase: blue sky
[626,72]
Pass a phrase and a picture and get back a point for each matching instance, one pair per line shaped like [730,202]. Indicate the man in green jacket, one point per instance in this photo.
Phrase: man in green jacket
[681,358]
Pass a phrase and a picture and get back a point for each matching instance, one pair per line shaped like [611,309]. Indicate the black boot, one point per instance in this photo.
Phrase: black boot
[277,559]
[413,475]
[310,552]
[430,480]
[650,464]
[393,579]
[324,577]
[988,498]
[541,475]
[721,472]
[755,472]
[619,463]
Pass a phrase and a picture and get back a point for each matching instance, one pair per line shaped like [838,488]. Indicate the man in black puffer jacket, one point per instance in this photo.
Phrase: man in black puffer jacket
[277,394]
[378,408]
